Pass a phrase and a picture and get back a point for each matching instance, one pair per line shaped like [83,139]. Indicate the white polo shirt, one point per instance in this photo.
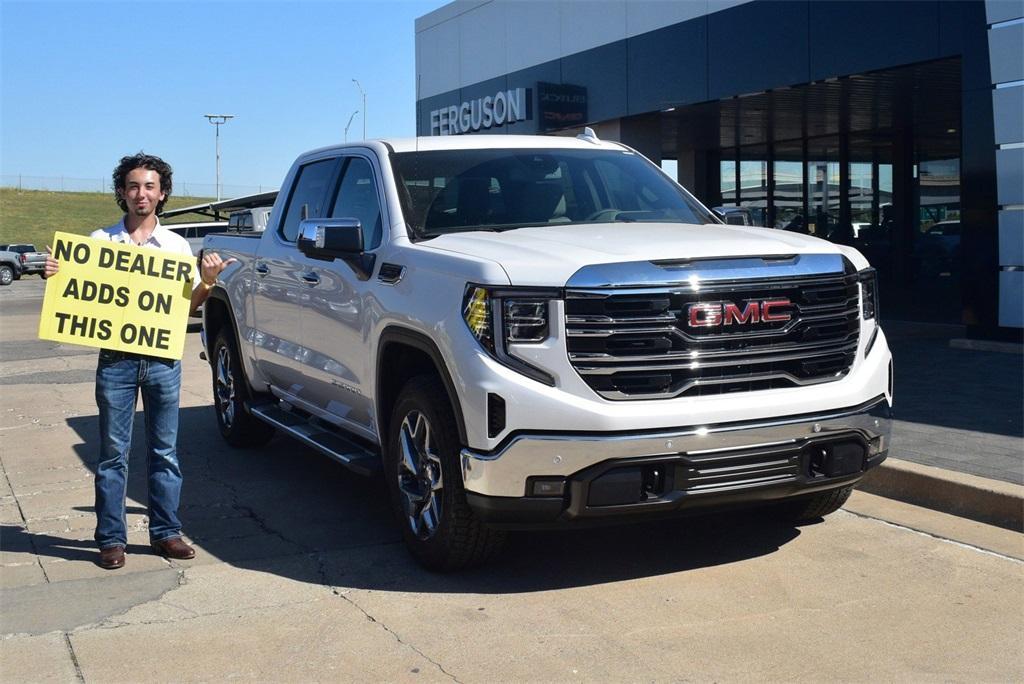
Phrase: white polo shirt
[161,238]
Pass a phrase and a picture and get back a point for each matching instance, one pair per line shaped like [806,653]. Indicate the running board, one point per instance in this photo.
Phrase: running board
[357,458]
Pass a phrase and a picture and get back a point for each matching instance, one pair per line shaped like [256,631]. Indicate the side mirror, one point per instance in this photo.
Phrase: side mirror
[327,239]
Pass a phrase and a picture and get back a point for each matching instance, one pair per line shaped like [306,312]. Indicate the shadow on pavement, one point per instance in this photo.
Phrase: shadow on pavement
[964,389]
[288,510]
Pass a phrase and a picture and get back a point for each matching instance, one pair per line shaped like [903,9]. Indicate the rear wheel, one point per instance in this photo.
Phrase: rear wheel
[237,426]
[815,506]
[6,274]
[425,481]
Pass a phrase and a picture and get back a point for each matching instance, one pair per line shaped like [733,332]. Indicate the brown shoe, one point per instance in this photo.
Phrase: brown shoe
[112,558]
[174,548]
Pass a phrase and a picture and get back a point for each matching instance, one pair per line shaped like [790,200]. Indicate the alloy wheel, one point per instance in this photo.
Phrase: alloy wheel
[225,387]
[420,479]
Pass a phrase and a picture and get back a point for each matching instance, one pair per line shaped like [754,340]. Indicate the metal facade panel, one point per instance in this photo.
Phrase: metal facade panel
[745,54]
[602,71]
[483,43]
[1010,176]
[534,34]
[1003,10]
[668,67]
[1006,53]
[1011,237]
[1011,299]
[549,72]
[587,24]
[853,37]
[649,15]
[437,59]
[1008,111]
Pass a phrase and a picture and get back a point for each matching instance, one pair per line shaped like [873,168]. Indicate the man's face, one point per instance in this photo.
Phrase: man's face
[142,191]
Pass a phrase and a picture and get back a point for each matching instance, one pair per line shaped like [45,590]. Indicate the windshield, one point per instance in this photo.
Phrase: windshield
[452,191]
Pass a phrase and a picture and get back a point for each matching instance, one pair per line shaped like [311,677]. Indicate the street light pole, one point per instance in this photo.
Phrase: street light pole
[363,93]
[217,120]
[353,115]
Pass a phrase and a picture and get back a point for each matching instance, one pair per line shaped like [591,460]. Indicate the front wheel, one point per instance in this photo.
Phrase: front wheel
[423,474]
[6,275]
[815,506]
[238,427]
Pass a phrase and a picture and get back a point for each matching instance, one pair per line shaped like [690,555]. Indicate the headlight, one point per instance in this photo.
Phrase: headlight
[868,293]
[498,317]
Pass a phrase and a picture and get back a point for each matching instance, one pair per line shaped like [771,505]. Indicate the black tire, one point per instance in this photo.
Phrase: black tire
[238,427]
[7,275]
[421,465]
[815,506]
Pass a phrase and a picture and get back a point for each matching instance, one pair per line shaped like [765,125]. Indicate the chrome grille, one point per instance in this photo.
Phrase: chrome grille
[640,344]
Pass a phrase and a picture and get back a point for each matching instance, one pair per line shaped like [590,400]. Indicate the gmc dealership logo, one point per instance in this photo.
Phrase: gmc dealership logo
[714,314]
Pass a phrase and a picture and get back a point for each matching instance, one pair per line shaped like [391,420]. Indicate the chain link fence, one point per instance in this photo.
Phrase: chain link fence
[103,185]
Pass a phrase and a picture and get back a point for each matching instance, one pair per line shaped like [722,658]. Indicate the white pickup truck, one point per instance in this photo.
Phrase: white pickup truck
[530,331]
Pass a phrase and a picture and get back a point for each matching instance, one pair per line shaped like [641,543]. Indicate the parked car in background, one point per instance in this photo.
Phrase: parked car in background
[196,232]
[735,216]
[10,267]
[249,220]
[32,260]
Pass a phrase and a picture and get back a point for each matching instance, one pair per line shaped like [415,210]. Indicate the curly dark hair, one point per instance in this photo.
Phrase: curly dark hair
[144,161]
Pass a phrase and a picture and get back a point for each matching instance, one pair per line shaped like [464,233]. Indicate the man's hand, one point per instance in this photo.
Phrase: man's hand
[52,265]
[211,267]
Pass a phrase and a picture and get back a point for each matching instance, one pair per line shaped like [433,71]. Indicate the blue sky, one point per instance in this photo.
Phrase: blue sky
[84,83]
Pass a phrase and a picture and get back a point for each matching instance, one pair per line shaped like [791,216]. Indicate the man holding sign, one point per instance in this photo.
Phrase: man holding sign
[131,303]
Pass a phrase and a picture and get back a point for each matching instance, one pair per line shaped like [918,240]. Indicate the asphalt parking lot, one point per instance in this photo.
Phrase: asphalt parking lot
[300,573]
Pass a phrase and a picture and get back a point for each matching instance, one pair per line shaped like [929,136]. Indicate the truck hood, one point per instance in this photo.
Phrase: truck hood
[549,255]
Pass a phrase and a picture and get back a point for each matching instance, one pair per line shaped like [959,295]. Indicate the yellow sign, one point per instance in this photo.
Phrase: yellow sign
[115,296]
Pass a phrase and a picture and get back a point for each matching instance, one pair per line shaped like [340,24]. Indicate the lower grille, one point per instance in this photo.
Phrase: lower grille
[738,336]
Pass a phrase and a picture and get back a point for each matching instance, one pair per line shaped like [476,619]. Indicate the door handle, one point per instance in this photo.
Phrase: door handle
[262,269]
[311,278]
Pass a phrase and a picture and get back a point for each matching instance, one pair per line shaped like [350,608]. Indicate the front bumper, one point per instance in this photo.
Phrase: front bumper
[603,476]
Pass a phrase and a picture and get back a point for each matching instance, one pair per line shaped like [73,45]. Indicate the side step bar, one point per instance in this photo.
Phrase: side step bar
[355,457]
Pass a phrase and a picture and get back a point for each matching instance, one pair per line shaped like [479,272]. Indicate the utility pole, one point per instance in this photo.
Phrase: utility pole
[363,93]
[217,120]
[353,115]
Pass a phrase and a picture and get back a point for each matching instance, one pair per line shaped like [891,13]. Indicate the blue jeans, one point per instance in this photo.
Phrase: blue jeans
[119,379]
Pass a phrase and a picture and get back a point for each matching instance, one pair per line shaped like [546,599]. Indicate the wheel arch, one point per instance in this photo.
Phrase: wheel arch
[405,353]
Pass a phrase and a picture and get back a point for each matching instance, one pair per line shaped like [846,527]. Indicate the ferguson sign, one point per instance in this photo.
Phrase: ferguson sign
[507,106]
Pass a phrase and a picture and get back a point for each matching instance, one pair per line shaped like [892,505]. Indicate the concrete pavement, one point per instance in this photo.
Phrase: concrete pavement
[301,575]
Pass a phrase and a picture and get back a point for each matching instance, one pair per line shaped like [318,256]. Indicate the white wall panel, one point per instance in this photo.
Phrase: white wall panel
[484,44]
[1011,300]
[1008,109]
[1006,53]
[1011,237]
[534,34]
[1003,10]
[588,24]
[1010,175]
[437,55]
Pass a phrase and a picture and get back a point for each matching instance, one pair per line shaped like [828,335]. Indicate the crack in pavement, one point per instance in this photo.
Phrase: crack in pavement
[74,658]
[347,599]
[24,523]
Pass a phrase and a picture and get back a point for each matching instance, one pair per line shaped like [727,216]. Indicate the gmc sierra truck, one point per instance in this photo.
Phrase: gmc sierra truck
[528,331]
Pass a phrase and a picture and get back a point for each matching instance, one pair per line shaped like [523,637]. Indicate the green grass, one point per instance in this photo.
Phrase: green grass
[33,216]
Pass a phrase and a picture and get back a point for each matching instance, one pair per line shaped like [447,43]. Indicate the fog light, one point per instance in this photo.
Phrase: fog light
[546,486]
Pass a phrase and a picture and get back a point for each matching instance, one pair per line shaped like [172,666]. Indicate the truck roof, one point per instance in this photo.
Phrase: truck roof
[479,142]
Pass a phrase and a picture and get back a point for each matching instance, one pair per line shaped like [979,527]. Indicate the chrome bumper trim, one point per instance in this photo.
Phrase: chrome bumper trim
[504,472]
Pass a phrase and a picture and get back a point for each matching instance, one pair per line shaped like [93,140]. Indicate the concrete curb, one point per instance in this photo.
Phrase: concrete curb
[968,496]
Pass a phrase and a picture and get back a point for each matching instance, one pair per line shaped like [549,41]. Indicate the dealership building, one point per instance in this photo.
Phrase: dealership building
[894,127]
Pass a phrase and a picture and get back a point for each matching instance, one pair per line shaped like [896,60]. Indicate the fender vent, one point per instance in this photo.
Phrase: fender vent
[495,415]
[390,273]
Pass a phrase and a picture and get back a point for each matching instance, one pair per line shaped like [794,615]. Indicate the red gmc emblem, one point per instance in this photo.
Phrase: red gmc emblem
[713,314]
